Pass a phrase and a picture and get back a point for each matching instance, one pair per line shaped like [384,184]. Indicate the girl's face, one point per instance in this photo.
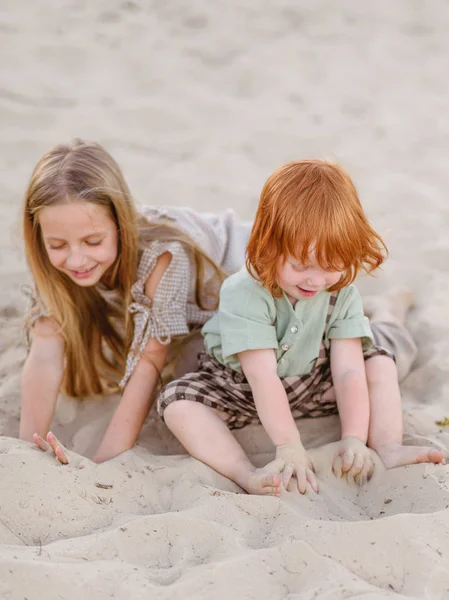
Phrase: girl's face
[80,239]
[304,281]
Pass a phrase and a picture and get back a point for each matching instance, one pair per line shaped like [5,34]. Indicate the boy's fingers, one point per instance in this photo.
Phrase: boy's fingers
[312,480]
[275,466]
[337,467]
[368,470]
[302,481]
[287,474]
[348,460]
[361,479]
[358,464]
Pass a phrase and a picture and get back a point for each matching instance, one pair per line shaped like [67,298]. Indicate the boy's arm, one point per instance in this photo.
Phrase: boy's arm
[349,378]
[270,398]
[260,369]
[351,390]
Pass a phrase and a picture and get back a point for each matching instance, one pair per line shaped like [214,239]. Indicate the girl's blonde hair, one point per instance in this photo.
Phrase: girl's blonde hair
[312,205]
[97,334]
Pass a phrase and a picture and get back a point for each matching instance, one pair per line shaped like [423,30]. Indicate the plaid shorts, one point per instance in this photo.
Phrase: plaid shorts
[229,392]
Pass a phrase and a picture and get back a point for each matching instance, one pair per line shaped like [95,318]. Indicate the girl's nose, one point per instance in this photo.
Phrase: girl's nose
[75,260]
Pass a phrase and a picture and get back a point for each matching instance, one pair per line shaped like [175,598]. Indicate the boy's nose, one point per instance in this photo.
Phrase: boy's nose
[315,280]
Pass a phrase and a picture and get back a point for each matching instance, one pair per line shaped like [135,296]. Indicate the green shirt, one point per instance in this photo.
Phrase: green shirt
[250,318]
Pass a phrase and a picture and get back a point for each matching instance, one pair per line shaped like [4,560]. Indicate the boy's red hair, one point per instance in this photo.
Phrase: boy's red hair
[312,205]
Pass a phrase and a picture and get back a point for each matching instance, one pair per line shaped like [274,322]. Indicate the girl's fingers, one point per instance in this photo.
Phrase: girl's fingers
[40,443]
[53,441]
[52,444]
[57,448]
[61,456]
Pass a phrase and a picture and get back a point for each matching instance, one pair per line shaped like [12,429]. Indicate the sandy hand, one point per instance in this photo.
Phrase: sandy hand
[52,445]
[298,464]
[353,458]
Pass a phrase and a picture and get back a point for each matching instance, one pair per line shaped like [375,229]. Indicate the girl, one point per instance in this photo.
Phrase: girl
[290,340]
[113,289]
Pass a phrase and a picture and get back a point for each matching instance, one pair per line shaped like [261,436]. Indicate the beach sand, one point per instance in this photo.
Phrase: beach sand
[199,103]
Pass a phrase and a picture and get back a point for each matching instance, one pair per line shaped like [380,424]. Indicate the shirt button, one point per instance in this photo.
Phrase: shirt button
[294,329]
[285,346]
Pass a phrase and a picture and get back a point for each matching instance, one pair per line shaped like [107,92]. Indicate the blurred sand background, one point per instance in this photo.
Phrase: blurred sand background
[199,102]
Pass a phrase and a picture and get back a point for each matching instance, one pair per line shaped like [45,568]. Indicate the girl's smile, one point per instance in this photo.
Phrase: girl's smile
[83,274]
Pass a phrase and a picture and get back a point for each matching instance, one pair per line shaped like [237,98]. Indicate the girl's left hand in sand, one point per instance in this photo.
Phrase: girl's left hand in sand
[354,459]
[53,445]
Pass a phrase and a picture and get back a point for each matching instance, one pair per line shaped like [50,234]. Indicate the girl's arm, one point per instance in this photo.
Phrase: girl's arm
[41,379]
[138,395]
[351,389]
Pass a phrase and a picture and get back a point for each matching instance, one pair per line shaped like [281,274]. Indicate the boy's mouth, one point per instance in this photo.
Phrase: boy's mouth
[307,293]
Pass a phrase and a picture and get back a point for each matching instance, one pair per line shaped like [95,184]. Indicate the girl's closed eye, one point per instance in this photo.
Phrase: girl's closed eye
[93,242]
[57,247]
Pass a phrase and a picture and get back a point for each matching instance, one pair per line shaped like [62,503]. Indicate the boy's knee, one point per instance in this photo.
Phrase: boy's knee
[380,369]
[176,409]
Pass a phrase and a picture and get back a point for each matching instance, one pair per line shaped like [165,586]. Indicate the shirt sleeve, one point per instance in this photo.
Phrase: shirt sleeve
[165,316]
[246,317]
[350,321]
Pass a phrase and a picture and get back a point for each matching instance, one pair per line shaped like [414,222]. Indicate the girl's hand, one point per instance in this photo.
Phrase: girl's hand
[353,458]
[298,464]
[53,445]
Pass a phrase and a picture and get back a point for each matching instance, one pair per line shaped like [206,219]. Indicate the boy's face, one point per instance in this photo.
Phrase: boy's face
[81,240]
[304,281]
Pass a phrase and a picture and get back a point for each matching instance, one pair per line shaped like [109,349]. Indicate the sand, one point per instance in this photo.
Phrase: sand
[199,102]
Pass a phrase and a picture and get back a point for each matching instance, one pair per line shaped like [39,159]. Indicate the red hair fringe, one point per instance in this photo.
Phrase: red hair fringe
[312,205]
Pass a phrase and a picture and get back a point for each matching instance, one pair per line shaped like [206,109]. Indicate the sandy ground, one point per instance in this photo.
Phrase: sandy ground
[199,102]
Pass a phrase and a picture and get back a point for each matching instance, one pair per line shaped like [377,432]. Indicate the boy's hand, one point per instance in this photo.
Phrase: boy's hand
[353,458]
[298,464]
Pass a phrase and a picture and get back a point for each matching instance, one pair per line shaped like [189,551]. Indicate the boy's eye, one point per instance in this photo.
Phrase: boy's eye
[299,268]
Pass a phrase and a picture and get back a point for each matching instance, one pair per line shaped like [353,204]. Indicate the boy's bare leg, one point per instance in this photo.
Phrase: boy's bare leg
[385,429]
[207,438]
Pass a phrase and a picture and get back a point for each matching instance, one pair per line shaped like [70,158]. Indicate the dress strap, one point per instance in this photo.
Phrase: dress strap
[332,301]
